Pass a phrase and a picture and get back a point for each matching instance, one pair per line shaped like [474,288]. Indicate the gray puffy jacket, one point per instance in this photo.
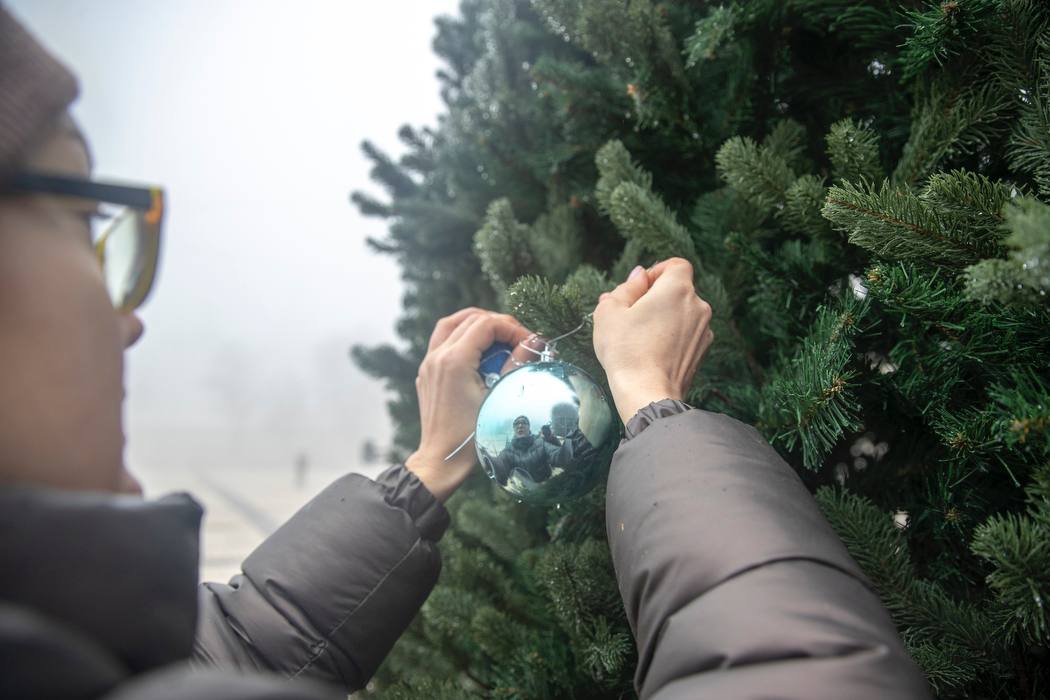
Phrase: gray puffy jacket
[99,595]
[734,584]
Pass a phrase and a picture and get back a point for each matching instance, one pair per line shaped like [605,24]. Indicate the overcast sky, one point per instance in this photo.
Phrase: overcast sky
[250,114]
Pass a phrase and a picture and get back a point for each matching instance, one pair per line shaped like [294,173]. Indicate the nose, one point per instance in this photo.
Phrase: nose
[131,328]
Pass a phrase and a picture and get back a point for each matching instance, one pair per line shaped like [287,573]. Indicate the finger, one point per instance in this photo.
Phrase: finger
[463,328]
[465,325]
[445,327]
[674,277]
[522,354]
[657,270]
[632,290]
[483,332]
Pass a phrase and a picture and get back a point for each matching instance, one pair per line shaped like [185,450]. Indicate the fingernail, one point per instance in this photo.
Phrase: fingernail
[638,269]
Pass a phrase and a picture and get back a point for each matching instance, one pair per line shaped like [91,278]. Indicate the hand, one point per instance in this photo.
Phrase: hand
[450,392]
[650,334]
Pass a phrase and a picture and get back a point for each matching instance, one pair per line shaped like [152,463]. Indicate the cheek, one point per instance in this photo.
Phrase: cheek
[60,341]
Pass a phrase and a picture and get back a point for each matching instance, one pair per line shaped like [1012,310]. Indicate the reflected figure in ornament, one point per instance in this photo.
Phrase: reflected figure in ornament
[531,457]
[569,453]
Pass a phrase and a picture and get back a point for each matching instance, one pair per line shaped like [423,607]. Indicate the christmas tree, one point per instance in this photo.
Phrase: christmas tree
[863,188]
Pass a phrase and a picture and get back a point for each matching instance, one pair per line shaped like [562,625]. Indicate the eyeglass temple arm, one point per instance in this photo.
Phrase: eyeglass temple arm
[142,198]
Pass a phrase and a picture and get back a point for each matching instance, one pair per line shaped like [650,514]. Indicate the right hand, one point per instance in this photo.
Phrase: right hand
[650,334]
[450,392]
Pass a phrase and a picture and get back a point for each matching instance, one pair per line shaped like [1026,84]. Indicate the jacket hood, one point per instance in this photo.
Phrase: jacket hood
[117,569]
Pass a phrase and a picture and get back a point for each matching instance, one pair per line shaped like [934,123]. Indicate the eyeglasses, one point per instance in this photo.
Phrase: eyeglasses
[129,246]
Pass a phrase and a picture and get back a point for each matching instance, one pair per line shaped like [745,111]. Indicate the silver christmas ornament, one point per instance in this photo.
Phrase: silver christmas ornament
[546,432]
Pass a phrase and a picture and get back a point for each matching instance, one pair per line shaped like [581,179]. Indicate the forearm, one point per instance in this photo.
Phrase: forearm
[328,594]
[725,563]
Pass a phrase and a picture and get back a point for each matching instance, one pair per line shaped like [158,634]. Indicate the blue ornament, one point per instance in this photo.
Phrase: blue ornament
[546,432]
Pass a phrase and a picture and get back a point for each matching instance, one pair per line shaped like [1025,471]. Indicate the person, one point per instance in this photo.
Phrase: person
[548,436]
[534,455]
[99,595]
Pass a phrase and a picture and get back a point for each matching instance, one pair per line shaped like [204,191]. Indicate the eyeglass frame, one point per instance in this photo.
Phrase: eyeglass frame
[145,199]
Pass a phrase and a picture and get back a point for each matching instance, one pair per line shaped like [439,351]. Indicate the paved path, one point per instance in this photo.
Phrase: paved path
[242,507]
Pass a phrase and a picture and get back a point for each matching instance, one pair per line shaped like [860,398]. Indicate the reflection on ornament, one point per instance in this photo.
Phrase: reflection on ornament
[546,432]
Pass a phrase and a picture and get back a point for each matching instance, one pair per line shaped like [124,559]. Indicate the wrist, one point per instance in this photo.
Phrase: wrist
[440,478]
[631,395]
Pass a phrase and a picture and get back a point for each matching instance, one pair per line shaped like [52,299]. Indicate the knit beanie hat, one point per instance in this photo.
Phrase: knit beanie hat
[34,89]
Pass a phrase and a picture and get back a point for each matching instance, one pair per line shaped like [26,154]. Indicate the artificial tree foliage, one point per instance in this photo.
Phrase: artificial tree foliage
[863,189]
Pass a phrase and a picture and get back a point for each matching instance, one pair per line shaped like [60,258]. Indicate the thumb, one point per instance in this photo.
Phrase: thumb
[633,289]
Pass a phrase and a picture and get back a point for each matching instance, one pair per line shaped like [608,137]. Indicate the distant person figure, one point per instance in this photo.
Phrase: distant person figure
[99,592]
[369,453]
[302,464]
[532,456]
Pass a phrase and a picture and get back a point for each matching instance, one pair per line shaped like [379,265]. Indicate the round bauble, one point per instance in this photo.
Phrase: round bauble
[546,433]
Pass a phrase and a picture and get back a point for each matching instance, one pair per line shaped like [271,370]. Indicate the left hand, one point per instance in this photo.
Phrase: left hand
[450,392]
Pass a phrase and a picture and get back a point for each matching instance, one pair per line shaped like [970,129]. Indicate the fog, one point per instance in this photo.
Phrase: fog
[250,114]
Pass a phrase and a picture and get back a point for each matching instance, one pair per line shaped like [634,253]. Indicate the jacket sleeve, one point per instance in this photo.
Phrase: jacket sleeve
[328,594]
[734,584]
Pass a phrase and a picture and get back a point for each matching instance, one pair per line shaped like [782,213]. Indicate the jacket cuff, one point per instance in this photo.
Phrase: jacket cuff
[653,412]
[402,489]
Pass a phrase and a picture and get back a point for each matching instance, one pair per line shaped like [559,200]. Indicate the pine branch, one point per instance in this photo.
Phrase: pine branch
[1023,279]
[972,203]
[447,613]
[579,582]
[803,203]
[492,527]
[431,689]
[477,568]
[921,608]
[715,215]
[615,167]
[809,401]
[389,174]
[552,310]
[854,152]
[969,435]
[1030,144]
[640,215]
[709,35]
[787,141]
[607,652]
[949,122]
[941,31]
[1018,547]
[758,173]
[370,206]
[898,224]
[633,254]
[946,665]
[631,39]
[502,246]
[522,662]
[556,242]
[1025,402]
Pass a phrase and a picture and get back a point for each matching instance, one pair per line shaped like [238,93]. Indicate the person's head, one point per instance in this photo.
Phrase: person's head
[61,341]
[521,427]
